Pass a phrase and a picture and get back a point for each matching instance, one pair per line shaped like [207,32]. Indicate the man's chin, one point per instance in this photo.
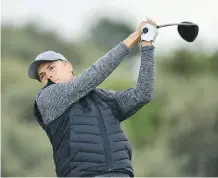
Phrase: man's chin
[60,81]
[63,81]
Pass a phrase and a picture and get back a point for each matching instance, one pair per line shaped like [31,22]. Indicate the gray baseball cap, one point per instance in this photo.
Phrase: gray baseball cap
[45,56]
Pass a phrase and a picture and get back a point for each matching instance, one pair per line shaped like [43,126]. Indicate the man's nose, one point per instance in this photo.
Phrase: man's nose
[49,75]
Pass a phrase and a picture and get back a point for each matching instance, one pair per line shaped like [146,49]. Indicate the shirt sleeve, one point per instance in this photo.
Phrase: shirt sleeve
[129,101]
[53,100]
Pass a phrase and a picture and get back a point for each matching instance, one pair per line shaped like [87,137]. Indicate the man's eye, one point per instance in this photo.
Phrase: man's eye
[51,67]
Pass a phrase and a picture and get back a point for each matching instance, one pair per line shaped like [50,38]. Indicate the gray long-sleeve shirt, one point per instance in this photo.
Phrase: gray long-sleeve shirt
[55,99]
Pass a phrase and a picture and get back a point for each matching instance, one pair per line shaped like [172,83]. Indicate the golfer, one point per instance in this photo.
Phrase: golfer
[83,121]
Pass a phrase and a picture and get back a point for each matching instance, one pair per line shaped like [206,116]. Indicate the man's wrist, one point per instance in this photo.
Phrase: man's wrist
[146,43]
[132,40]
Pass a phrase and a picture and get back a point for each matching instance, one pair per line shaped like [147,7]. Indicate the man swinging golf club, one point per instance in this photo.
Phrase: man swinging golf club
[83,121]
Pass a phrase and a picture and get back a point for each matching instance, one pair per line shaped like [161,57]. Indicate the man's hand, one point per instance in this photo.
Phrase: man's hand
[135,37]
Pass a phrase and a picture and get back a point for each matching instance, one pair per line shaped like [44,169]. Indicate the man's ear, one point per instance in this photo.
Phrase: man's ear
[70,66]
[67,63]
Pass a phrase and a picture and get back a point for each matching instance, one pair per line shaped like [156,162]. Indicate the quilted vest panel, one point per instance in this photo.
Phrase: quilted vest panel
[87,139]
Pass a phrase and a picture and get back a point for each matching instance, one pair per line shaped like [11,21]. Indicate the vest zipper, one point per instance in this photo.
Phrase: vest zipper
[105,141]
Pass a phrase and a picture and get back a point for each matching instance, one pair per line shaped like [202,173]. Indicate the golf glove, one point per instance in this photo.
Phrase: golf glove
[149,33]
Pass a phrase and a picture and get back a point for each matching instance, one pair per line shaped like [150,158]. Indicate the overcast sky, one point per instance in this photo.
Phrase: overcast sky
[71,17]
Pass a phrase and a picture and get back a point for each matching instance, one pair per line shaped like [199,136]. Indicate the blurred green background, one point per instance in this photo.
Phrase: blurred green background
[176,134]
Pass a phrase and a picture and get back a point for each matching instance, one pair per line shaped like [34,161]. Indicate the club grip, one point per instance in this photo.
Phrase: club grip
[145,30]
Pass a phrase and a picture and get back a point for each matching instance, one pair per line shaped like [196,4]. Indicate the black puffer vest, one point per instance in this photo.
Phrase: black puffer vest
[87,139]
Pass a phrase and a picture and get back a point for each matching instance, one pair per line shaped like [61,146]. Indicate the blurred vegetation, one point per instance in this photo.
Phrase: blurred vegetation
[174,135]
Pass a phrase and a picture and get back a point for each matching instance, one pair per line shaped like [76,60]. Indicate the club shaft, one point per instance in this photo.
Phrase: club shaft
[171,24]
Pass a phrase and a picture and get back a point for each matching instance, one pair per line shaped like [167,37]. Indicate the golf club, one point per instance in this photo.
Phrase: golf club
[187,30]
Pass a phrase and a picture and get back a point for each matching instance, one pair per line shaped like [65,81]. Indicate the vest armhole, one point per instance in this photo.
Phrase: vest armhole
[113,105]
[36,110]
[38,116]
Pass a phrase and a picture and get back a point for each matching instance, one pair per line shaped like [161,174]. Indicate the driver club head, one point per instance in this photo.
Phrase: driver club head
[188,31]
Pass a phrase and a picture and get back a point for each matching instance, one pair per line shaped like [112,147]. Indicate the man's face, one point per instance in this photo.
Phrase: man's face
[57,71]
